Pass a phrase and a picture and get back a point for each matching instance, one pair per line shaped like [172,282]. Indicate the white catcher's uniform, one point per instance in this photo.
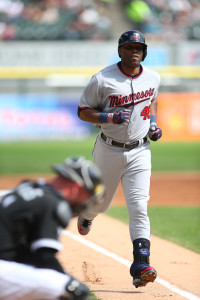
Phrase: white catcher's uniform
[23,282]
[108,91]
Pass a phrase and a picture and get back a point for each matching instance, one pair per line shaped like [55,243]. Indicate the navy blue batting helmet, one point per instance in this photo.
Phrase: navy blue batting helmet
[135,36]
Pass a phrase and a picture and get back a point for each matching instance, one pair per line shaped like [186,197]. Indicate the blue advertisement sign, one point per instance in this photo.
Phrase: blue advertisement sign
[36,117]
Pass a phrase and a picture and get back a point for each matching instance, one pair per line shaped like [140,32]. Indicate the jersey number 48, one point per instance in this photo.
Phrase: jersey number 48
[145,113]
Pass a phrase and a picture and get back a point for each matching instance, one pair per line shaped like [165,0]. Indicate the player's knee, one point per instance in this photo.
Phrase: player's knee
[75,290]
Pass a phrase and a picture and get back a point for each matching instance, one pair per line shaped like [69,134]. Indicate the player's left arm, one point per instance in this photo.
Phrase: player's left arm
[155,132]
[45,258]
[153,107]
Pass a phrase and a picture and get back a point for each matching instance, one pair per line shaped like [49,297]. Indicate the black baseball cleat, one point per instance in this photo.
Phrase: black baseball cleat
[84,225]
[144,276]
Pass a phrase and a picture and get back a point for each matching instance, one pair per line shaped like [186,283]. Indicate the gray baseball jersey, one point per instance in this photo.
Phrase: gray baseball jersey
[111,90]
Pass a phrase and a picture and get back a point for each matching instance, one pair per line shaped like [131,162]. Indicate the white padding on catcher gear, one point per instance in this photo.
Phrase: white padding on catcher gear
[18,281]
[46,243]
[4,192]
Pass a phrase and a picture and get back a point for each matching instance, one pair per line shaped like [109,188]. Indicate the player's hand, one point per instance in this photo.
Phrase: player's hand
[155,132]
[76,290]
[119,117]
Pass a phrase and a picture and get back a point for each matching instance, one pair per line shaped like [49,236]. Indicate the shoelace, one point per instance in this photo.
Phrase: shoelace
[86,223]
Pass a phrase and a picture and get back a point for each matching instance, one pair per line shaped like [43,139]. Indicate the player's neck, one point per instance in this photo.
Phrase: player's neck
[130,71]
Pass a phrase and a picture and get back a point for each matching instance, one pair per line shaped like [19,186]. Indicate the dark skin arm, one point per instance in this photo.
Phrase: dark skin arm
[153,108]
[89,115]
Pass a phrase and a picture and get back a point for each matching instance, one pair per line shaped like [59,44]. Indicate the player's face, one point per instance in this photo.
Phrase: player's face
[71,190]
[131,54]
[78,194]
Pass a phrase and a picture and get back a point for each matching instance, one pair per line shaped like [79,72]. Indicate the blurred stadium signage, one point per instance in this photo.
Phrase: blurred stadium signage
[36,117]
[66,54]
[179,116]
[92,53]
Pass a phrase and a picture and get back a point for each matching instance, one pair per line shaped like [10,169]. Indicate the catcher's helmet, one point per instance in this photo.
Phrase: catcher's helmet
[84,172]
[131,36]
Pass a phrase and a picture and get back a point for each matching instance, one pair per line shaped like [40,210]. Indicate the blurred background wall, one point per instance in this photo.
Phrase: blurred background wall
[49,49]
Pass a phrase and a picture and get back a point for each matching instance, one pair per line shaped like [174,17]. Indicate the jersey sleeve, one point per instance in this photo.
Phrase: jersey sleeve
[91,95]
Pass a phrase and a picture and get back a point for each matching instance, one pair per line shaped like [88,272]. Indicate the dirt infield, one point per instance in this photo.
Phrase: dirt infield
[109,279]
[166,189]
[107,275]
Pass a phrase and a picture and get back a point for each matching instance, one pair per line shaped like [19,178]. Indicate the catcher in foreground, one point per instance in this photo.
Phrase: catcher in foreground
[30,218]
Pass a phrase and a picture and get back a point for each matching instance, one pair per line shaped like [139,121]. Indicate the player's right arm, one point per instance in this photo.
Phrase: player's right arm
[89,115]
[91,100]
[94,116]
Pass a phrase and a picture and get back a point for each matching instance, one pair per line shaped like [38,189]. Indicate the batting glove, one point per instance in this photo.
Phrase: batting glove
[118,117]
[155,132]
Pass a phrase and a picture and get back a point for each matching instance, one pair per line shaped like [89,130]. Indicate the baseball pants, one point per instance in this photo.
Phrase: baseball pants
[133,169]
[23,282]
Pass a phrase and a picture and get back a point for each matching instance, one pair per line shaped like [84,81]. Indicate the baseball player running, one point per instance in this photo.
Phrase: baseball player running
[121,99]
[31,217]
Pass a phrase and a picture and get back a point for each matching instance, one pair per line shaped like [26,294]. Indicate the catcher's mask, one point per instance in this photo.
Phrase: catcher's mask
[86,174]
[135,36]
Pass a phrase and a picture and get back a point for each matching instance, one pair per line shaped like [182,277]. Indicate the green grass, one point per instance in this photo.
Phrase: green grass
[93,296]
[182,156]
[180,225]
[36,157]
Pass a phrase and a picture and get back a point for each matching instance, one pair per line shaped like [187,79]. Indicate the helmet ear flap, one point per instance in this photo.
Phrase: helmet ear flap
[144,53]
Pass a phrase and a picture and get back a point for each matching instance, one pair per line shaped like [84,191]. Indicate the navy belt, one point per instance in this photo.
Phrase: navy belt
[122,145]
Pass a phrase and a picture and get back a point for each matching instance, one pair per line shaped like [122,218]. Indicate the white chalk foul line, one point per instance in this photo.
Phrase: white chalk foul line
[4,192]
[127,263]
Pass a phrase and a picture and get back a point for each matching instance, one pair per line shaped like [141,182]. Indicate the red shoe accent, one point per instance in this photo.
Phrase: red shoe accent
[149,274]
[146,269]
[80,230]
[84,225]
